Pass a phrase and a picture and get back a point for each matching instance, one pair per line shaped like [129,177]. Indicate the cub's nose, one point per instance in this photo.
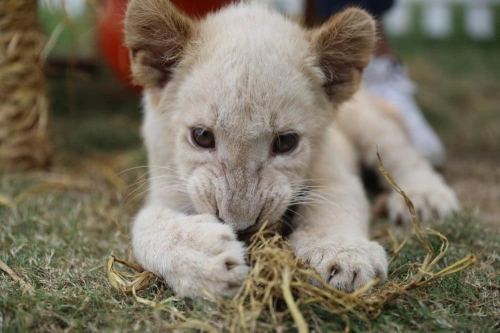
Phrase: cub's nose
[238,222]
[254,227]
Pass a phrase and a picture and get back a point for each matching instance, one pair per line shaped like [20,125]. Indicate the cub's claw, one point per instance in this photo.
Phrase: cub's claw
[348,265]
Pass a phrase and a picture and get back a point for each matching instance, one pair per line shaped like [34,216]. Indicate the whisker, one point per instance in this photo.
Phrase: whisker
[281,220]
[161,186]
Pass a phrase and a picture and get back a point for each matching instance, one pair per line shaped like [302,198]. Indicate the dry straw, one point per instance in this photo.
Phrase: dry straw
[23,88]
[278,289]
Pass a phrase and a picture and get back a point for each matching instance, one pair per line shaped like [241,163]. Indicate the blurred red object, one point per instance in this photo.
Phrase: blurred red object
[110,31]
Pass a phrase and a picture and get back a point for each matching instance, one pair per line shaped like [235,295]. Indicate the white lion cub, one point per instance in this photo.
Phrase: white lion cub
[239,126]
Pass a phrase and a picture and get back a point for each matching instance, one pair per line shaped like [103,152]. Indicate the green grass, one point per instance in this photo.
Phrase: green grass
[75,38]
[59,244]
[58,238]
[458,85]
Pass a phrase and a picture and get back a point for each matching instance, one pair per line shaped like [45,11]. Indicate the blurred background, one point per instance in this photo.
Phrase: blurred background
[451,49]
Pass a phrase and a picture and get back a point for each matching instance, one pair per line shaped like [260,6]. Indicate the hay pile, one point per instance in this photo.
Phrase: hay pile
[23,89]
[278,295]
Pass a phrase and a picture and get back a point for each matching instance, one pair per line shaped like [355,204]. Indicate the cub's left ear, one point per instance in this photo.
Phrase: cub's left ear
[344,45]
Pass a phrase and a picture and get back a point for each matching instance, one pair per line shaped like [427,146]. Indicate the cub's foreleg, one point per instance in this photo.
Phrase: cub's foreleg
[194,254]
[331,229]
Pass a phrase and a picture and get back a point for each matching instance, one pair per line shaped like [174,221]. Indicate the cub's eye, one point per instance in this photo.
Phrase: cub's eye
[285,143]
[203,138]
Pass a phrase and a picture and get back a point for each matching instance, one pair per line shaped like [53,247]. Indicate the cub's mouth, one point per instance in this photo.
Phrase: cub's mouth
[285,222]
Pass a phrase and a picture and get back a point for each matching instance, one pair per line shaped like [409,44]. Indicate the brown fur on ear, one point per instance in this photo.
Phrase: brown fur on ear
[156,33]
[344,45]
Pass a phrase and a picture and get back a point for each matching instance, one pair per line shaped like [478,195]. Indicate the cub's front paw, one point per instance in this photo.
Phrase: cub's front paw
[348,265]
[212,260]
[432,201]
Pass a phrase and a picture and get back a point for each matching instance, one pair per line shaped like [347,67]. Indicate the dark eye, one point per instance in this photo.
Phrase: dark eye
[285,143]
[203,138]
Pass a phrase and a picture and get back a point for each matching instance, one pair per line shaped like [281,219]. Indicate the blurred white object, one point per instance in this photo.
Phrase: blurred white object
[479,21]
[437,21]
[74,8]
[399,19]
[294,8]
[389,81]
[437,17]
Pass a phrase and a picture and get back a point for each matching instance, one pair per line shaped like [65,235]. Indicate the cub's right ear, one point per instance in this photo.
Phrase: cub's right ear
[157,34]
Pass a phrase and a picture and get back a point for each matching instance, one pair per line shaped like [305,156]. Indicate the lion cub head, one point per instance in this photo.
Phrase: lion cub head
[237,104]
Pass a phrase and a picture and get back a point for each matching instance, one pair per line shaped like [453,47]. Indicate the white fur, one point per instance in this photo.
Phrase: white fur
[249,75]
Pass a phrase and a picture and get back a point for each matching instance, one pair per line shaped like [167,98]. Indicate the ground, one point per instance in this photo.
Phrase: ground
[458,91]
[58,227]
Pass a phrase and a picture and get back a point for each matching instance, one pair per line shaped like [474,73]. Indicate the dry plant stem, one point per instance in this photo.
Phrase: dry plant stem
[26,287]
[120,280]
[24,110]
[423,238]
[6,202]
[292,306]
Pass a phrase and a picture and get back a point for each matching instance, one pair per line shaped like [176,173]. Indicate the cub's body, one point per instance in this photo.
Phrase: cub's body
[246,78]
